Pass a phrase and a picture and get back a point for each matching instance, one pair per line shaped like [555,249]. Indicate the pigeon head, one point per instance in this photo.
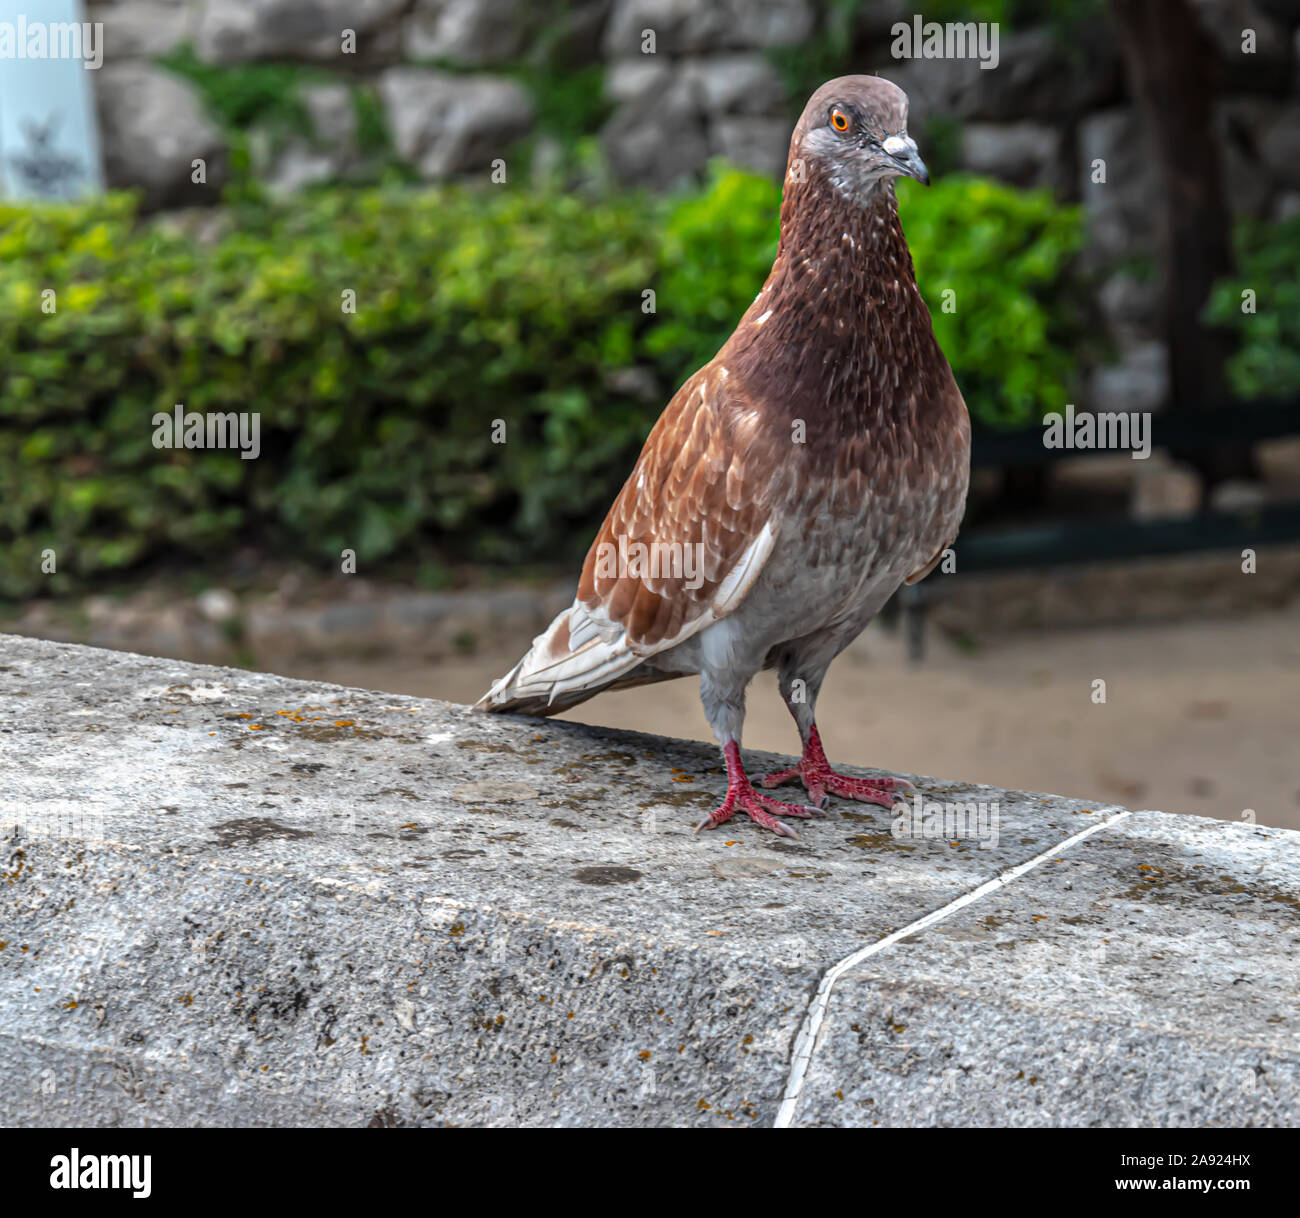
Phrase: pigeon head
[853,132]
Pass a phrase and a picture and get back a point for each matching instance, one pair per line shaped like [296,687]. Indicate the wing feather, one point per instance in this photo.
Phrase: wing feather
[694,500]
[704,521]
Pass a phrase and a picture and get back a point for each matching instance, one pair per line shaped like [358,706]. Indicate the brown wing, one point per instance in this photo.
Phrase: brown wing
[694,522]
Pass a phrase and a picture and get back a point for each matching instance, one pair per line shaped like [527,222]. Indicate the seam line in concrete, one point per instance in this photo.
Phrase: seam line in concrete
[805,1044]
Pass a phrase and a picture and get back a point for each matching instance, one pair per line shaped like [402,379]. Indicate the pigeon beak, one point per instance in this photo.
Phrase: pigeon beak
[902,151]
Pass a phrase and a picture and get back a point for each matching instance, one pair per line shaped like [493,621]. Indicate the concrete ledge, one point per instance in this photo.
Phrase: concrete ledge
[230,898]
[340,617]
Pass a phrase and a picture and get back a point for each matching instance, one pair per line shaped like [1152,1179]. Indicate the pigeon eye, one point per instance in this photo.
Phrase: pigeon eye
[839,120]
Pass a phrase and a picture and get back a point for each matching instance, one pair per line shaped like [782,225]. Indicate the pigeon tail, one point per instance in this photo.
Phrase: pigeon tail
[566,665]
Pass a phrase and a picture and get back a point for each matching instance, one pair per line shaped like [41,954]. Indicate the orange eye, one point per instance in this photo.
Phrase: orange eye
[839,120]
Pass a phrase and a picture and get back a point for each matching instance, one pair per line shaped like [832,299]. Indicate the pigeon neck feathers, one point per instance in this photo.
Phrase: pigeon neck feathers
[839,333]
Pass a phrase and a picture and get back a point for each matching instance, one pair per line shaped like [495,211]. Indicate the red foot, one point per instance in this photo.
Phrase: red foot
[763,810]
[815,772]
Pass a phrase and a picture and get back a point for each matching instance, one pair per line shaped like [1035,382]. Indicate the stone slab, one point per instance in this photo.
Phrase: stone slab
[232,898]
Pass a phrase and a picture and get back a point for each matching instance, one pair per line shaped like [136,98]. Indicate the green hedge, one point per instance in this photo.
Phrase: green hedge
[376,427]
[1267,363]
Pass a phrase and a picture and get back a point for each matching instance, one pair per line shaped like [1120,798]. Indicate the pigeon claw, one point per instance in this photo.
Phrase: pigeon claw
[781,777]
[865,790]
[820,781]
[761,809]
[822,784]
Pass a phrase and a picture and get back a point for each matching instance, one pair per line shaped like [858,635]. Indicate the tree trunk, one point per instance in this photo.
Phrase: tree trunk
[1173,71]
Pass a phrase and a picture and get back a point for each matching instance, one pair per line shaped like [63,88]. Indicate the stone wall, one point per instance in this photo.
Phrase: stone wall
[443,73]
[236,899]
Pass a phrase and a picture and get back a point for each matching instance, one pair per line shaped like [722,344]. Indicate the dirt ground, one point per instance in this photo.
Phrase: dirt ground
[1198,716]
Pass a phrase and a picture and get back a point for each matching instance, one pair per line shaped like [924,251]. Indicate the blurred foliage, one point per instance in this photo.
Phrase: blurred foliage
[1017,322]
[942,144]
[471,306]
[716,248]
[240,95]
[1267,363]
[375,426]
[1064,16]
[569,102]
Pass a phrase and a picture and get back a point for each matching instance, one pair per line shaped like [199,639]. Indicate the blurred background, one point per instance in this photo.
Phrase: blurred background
[456,255]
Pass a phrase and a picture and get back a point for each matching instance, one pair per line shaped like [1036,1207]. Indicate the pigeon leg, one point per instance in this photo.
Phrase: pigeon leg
[815,772]
[763,810]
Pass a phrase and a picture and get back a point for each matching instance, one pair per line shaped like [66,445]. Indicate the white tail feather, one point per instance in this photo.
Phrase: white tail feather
[552,670]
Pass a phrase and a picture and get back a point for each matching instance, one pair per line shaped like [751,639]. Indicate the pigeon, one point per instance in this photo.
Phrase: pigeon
[819,461]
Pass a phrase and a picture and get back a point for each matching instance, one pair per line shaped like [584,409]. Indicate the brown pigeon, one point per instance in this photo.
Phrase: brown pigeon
[816,463]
